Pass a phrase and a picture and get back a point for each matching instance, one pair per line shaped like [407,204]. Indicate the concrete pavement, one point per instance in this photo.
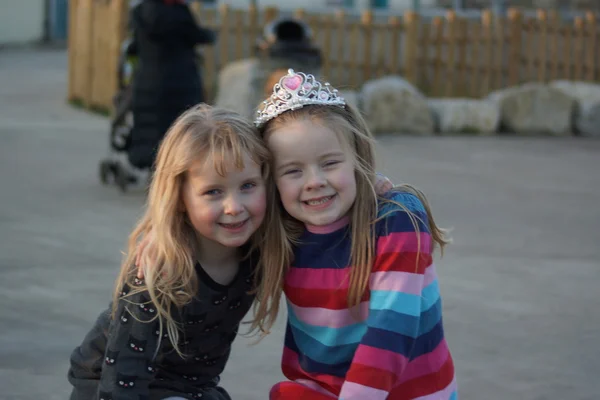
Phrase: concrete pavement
[520,282]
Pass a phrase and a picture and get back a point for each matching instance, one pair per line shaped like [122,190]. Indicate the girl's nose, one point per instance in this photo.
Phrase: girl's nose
[233,206]
[315,180]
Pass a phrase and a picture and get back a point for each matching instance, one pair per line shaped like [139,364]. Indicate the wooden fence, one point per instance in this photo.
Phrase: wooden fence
[443,56]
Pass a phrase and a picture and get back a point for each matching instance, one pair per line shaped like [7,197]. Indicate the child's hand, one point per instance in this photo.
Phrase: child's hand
[142,250]
[383,184]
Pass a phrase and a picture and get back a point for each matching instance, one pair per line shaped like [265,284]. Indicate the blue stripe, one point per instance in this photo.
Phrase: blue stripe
[430,295]
[326,335]
[399,222]
[400,302]
[405,345]
[408,200]
[427,342]
[320,352]
[430,318]
[453,396]
[334,367]
[403,324]
[397,219]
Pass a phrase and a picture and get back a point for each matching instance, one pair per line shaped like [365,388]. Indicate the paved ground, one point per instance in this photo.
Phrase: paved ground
[521,315]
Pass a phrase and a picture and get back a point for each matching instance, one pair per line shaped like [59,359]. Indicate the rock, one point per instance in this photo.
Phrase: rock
[465,115]
[586,116]
[392,104]
[351,97]
[235,90]
[535,108]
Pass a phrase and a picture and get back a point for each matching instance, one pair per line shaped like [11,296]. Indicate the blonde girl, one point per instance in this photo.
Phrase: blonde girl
[364,308]
[169,335]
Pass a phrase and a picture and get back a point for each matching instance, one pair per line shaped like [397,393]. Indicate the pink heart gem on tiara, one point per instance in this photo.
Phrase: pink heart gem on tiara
[292,82]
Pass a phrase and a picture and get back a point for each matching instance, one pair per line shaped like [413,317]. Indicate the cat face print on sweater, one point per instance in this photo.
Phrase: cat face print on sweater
[235,304]
[124,318]
[125,290]
[219,299]
[126,381]
[195,319]
[136,345]
[146,306]
[212,327]
[150,368]
[111,357]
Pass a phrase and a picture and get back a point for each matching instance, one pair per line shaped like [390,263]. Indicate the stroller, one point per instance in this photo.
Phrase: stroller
[113,169]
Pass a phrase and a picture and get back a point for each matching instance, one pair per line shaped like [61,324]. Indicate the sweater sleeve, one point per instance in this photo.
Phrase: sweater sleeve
[132,345]
[403,305]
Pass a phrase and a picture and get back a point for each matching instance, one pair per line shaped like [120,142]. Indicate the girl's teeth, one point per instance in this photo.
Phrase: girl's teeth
[317,202]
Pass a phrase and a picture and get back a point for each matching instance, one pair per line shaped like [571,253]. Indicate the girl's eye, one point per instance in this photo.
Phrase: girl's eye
[248,185]
[330,163]
[213,192]
[291,171]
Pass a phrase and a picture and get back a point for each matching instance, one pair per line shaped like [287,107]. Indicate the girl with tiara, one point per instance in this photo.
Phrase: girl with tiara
[356,268]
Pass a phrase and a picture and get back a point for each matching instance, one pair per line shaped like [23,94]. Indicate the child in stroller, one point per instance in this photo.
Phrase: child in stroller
[113,169]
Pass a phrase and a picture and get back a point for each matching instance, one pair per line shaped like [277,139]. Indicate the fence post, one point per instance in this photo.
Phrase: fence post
[515,20]
[224,35]
[270,14]
[341,70]
[438,43]
[591,31]
[300,14]
[450,72]
[394,30]
[542,16]
[578,39]
[555,34]
[487,26]
[366,21]
[411,39]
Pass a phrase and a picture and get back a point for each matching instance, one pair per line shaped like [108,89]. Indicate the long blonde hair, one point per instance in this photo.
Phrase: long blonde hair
[282,231]
[203,132]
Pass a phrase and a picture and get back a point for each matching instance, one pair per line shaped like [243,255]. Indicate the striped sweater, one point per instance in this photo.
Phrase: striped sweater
[392,345]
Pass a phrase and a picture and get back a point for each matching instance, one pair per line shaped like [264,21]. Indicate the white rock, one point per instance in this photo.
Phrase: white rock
[351,97]
[235,91]
[535,108]
[586,116]
[458,115]
[391,104]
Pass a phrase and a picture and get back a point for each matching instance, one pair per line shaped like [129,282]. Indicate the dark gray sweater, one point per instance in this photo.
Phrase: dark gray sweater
[121,359]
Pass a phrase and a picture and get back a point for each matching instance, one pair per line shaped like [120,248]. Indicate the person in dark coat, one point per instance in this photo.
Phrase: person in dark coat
[167,80]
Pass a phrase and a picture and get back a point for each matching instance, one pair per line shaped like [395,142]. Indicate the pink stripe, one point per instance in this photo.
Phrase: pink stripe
[356,391]
[315,386]
[396,242]
[427,363]
[321,278]
[443,394]
[430,275]
[400,281]
[330,318]
[379,358]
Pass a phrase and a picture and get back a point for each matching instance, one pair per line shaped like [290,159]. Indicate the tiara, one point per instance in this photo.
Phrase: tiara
[296,90]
